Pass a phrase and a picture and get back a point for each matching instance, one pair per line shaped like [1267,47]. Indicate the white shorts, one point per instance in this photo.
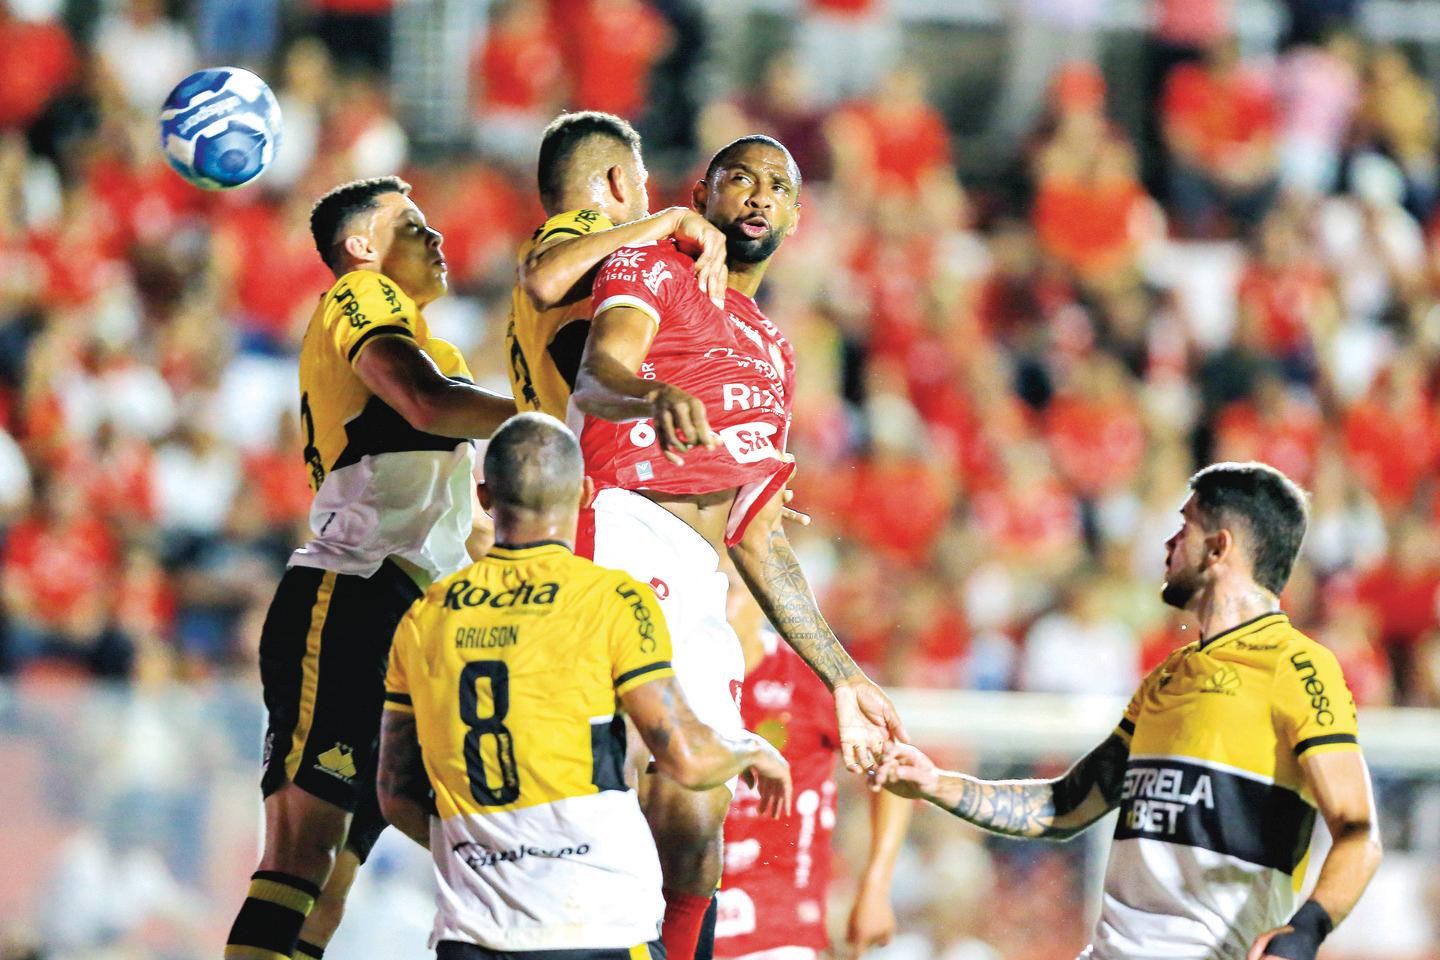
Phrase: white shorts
[656,547]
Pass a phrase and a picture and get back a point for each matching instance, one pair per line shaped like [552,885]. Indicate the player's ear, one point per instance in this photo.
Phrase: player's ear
[483,492]
[1218,545]
[615,178]
[700,195]
[358,247]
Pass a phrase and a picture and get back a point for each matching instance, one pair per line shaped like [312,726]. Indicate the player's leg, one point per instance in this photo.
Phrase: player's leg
[687,827]
[365,828]
[322,665]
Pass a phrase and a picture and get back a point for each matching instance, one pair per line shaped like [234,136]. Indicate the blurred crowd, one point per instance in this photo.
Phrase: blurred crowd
[1003,385]
[1002,391]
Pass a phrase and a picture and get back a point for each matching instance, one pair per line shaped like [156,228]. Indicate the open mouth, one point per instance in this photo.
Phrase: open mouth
[755,227]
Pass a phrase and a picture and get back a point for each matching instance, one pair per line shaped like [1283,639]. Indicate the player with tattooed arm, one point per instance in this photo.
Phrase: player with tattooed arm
[687,408]
[1221,762]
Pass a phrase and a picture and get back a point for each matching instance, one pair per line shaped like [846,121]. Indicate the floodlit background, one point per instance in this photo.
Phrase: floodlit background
[1055,254]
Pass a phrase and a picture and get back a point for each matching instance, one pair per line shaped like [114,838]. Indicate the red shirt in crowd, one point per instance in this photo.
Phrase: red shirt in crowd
[623,39]
[1088,225]
[1391,452]
[1282,301]
[520,64]
[1218,112]
[777,871]
[1287,438]
[1097,445]
[60,569]
[37,61]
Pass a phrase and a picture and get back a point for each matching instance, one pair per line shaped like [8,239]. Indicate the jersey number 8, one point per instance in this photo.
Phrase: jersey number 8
[508,791]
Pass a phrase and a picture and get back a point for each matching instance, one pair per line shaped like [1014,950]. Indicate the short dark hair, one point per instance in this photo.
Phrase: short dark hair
[726,155]
[333,210]
[564,136]
[533,463]
[1271,506]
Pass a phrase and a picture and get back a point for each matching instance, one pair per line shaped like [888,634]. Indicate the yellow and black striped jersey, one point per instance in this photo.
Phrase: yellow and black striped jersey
[513,668]
[382,488]
[1215,817]
[545,345]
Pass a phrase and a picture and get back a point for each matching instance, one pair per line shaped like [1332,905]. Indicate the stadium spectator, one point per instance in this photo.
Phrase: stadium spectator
[1220,130]
[892,139]
[519,77]
[144,52]
[623,39]
[38,60]
[1399,115]
[1317,94]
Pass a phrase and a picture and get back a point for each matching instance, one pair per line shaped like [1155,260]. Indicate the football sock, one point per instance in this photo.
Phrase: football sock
[684,915]
[705,949]
[308,951]
[269,922]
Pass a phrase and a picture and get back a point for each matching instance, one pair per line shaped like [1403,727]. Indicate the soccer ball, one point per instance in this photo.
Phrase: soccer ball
[220,128]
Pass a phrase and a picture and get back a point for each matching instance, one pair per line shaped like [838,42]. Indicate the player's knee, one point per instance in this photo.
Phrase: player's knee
[303,835]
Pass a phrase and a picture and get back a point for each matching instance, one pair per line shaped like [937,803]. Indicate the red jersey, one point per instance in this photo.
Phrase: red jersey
[777,871]
[735,361]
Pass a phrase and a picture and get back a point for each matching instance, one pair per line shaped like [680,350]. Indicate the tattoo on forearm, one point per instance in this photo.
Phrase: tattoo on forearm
[780,587]
[1031,808]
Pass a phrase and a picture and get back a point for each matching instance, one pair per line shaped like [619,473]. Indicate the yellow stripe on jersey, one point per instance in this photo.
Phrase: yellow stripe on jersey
[514,667]
[537,381]
[310,673]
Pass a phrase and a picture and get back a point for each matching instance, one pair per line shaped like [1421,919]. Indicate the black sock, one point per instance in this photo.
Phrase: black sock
[305,950]
[269,922]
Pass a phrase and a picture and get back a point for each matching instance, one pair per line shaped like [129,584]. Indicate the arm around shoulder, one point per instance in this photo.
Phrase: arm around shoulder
[398,372]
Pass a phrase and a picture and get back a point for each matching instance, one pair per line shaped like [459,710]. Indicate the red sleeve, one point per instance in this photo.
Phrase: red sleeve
[642,277]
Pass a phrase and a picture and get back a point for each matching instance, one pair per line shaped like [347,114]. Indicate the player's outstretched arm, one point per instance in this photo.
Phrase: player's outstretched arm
[698,757]
[769,567]
[1340,783]
[561,270]
[1054,809]
[872,918]
[401,782]
[398,372]
[608,384]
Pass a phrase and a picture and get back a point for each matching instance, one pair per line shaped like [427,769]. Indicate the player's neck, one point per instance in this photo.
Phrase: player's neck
[745,277]
[1228,605]
[512,532]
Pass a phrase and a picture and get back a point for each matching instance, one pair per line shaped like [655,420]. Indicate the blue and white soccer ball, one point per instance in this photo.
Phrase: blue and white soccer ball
[220,128]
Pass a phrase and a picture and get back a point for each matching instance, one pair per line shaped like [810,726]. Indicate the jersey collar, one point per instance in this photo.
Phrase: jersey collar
[1253,625]
[517,551]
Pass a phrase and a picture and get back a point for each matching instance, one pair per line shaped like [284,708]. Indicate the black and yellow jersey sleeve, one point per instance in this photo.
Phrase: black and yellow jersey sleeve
[571,223]
[1314,710]
[397,684]
[364,305]
[639,638]
[544,346]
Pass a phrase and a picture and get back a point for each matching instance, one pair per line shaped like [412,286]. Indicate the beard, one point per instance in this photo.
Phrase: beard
[743,249]
[1180,589]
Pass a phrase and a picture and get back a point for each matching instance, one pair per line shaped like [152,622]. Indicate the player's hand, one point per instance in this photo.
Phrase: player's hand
[1259,950]
[906,772]
[867,721]
[702,240]
[770,774]
[872,920]
[680,422]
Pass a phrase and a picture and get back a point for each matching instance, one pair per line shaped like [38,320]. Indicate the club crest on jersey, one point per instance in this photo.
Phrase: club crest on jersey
[658,273]
[750,442]
[628,258]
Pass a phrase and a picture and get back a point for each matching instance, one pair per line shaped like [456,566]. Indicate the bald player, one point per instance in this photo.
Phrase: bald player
[592,177]
[503,695]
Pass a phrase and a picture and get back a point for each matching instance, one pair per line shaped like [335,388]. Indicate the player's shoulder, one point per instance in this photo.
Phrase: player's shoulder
[1299,652]
[571,223]
[368,296]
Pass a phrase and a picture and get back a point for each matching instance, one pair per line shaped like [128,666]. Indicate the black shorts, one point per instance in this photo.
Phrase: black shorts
[323,654]
[454,950]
